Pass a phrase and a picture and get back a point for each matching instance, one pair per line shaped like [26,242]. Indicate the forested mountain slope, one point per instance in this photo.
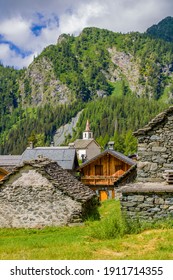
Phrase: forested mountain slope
[162,30]
[98,70]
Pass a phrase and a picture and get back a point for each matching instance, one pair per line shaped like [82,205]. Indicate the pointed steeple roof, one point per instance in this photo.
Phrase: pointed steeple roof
[87,134]
[87,126]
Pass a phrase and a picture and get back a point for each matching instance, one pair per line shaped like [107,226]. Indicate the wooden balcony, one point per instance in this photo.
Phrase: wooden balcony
[99,180]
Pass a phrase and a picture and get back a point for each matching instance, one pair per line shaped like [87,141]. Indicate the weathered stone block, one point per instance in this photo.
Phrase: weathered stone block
[159,149]
[142,174]
[149,199]
[170,118]
[143,164]
[136,198]
[142,145]
[141,149]
[129,204]
[159,200]
[164,207]
[154,209]
[144,205]
[158,159]
[165,156]
[168,165]
[153,166]
[169,201]
[149,203]
[132,214]
[155,138]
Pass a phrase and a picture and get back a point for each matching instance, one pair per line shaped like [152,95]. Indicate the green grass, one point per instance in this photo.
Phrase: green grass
[110,238]
[117,88]
[165,96]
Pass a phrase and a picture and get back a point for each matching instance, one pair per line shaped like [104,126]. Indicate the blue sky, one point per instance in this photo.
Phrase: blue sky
[26,27]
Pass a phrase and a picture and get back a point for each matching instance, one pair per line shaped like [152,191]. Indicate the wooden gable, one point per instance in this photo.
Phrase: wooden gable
[103,170]
[3,173]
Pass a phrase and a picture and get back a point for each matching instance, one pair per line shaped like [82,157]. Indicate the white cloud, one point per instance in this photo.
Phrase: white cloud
[16,30]
[4,51]
[10,58]
[17,19]
[131,15]
[81,18]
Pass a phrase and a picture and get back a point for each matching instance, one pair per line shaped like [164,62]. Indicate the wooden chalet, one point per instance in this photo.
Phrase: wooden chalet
[101,172]
[3,173]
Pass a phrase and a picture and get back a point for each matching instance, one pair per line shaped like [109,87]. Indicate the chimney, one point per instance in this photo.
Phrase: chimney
[111,145]
[52,144]
[31,145]
[71,145]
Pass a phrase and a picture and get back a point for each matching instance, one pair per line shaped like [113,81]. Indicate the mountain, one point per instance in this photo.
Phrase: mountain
[99,71]
[162,30]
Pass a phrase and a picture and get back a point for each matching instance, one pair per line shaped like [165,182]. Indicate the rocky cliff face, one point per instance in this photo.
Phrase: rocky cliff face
[39,85]
[82,67]
[65,130]
[128,67]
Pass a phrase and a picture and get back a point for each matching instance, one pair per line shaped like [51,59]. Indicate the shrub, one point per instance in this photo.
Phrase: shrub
[116,224]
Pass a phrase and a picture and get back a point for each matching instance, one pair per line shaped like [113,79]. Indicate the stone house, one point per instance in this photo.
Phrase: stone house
[151,197]
[155,147]
[86,147]
[40,193]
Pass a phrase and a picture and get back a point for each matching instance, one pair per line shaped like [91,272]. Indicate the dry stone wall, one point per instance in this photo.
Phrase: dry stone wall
[148,202]
[155,150]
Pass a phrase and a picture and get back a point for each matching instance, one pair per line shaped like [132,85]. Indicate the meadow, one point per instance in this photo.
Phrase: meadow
[113,237]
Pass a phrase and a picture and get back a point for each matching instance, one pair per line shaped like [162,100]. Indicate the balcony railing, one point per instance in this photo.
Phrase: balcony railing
[99,180]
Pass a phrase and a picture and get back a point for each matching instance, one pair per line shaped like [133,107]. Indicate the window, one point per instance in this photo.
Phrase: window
[98,169]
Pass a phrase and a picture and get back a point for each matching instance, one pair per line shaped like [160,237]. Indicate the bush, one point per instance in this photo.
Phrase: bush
[116,224]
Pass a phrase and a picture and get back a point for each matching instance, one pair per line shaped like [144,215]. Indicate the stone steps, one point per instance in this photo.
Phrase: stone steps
[168,176]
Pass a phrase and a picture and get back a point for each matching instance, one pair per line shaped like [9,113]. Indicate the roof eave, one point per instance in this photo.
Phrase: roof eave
[102,154]
[154,122]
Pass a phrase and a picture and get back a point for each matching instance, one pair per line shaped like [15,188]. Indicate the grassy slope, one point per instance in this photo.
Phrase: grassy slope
[81,242]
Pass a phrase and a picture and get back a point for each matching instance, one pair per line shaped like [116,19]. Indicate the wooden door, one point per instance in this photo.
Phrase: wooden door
[113,194]
[103,195]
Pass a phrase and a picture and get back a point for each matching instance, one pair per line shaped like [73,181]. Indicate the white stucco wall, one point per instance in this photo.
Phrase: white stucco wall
[80,153]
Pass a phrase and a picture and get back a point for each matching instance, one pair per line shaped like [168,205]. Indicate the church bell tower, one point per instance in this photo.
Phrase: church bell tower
[87,134]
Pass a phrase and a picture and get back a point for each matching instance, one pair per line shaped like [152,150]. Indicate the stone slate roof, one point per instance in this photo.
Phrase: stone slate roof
[148,187]
[83,144]
[154,122]
[115,154]
[9,160]
[59,177]
[65,157]
[129,175]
